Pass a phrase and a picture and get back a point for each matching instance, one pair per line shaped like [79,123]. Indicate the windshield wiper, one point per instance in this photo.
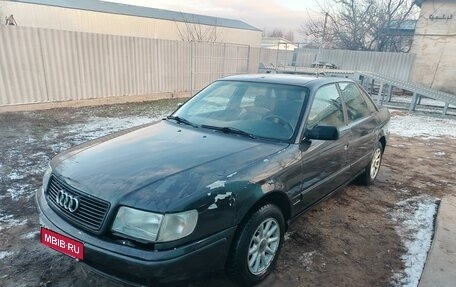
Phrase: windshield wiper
[181,120]
[230,130]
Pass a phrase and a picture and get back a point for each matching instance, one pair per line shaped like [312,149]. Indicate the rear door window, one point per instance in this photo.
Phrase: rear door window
[357,107]
[370,103]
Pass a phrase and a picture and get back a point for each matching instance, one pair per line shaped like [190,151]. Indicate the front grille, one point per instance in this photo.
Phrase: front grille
[91,211]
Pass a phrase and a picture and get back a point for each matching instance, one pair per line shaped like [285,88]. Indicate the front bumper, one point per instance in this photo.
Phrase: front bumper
[133,265]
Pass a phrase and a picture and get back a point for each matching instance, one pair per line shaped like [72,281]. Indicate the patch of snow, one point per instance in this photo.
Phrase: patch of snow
[30,140]
[422,126]
[405,191]
[424,101]
[415,226]
[15,176]
[30,235]
[59,147]
[39,155]
[4,254]
[431,183]
[20,191]
[432,102]
[288,235]
[439,153]
[306,259]
[8,221]
[97,127]
[50,136]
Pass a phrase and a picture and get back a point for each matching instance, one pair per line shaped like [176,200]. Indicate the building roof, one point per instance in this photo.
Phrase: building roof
[274,40]
[418,2]
[138,11]
[400,28]
[408,24]
[277,43]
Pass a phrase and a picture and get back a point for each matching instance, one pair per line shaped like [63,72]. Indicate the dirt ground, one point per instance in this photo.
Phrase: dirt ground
[349,240]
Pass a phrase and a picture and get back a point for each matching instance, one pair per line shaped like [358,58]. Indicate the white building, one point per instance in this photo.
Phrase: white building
[434,44]
[277,43]
[95,16]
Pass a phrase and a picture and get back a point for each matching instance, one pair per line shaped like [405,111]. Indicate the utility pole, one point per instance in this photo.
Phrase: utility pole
[324,28]
[321,43]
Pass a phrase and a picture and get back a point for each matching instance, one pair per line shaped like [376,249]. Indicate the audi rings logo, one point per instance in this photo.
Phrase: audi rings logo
[67,201]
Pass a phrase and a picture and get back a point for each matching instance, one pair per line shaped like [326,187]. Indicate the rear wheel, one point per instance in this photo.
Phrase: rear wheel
[257,246]
[371,171]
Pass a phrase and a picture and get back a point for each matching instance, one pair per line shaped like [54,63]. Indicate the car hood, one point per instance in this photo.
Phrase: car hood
[118,166]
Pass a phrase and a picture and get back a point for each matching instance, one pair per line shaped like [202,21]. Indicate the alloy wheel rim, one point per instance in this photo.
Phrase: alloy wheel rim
[263,246]
[375,164]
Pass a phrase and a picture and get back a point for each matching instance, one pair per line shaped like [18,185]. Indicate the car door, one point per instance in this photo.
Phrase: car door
[324,162]
[362,124]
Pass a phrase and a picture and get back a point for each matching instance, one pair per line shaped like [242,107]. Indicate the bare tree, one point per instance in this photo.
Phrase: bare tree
[277,32]
[362,25]
[192,31]
[289,35]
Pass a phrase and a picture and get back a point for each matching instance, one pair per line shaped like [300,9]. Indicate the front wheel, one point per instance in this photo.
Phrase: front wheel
[371,172]
[257,246]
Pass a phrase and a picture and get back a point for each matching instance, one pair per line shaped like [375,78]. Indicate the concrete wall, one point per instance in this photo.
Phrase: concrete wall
[49,17]
[434,44]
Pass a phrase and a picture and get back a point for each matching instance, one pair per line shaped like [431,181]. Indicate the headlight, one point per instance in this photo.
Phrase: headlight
[47,176]
[153,227]
[177,225]
[136,223]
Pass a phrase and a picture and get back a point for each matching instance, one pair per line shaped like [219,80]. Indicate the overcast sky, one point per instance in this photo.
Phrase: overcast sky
[263,14]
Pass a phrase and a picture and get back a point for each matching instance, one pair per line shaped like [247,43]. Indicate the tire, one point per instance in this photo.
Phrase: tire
[371,171]
[257,246]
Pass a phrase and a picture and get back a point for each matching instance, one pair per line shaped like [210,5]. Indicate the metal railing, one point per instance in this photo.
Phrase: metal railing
[387,84]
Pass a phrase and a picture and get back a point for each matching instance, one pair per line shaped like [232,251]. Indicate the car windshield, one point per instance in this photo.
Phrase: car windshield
[257,110]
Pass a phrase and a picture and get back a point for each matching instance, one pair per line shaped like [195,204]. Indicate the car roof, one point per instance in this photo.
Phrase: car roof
[286,79]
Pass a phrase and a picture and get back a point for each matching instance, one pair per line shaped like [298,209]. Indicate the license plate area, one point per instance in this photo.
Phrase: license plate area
[62,243]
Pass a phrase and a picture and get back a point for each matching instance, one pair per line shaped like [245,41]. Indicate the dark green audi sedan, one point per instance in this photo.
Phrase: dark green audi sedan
[215,184]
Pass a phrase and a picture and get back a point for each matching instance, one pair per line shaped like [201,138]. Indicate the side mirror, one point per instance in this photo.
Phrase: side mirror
[325,133]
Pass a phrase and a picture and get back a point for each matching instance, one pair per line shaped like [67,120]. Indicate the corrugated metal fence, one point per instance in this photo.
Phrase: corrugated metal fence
[395,65]
[41,65]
